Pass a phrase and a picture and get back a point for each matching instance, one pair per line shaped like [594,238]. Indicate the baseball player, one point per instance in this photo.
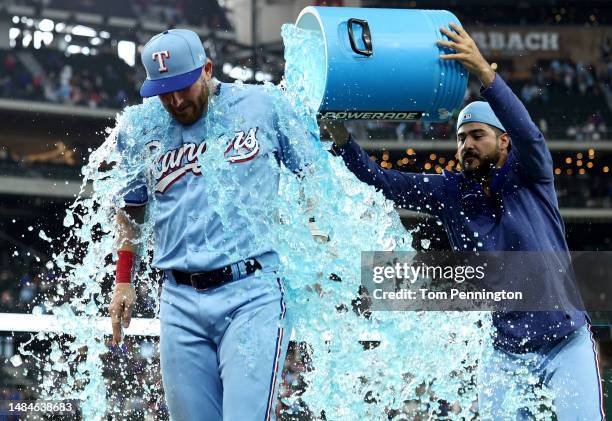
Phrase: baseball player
[224,323]
[503,199]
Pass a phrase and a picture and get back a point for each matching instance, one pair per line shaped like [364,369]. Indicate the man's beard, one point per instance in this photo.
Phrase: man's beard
[483,170]
[196,109]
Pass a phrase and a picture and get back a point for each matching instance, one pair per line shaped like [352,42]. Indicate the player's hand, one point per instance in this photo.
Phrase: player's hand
[467,53]
[120,309]
[337,131]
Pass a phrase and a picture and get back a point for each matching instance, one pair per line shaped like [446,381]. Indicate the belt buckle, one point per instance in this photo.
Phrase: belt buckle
[193,283]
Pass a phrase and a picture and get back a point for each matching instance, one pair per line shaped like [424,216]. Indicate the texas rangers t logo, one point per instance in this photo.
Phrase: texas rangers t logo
[160,57]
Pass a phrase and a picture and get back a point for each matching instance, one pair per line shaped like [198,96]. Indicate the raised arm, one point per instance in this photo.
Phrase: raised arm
[419,192]
[527,141]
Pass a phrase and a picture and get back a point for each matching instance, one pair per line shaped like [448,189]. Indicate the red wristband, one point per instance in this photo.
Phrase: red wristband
[125,263]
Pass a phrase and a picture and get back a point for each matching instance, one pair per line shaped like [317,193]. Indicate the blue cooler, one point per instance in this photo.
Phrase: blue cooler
[384,64]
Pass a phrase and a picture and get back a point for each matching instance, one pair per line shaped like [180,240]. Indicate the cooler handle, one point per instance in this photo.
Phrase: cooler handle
[366,37]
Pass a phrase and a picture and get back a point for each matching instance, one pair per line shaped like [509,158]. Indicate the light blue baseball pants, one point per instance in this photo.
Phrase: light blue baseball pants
[222,350]
[510,385]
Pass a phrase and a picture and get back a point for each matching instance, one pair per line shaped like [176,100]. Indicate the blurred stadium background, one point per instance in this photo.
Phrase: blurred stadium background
[68,66]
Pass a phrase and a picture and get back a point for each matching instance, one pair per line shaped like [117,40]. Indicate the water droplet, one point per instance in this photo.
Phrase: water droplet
[69,219]
[42,235]
[16,360]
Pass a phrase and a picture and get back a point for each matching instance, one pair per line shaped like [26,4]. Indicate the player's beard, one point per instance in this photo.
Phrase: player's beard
[194,109]
[483,168]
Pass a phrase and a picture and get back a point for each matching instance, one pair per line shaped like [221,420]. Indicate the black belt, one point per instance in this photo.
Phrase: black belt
[214,278]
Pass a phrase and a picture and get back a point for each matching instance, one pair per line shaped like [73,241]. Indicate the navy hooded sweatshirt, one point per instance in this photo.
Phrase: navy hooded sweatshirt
[521,214]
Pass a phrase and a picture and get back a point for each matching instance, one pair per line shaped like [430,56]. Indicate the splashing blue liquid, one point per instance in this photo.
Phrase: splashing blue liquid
[423,358]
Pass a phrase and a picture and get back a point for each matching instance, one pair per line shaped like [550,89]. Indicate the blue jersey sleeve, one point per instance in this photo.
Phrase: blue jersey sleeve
[135,192]
[419,192]
[297,143]
[527,140]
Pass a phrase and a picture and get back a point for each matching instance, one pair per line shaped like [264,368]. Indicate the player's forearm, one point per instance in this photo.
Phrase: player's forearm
[511,111]
[390,182]
[356,160]
[526,137]
[129,220]
[419,192]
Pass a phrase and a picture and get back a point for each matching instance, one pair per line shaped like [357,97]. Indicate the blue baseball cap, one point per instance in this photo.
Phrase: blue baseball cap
[173,61]
[479,112]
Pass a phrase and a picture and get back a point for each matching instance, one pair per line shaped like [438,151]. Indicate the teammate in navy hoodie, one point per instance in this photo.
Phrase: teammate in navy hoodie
[503,200]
